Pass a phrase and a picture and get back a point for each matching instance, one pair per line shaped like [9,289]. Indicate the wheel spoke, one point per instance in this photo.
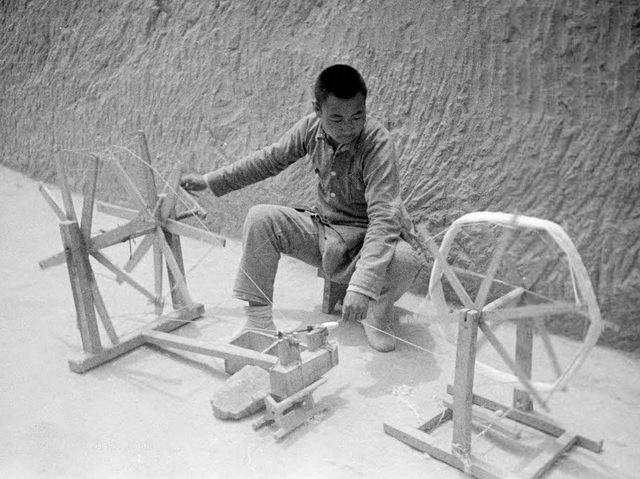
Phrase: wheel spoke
[89,195]
[107,263]
[530,311]
[548,345]
[498,252]
[54,205]
[449,273]
[147,170]
[167,209]
[517,370]
[70,211]
[173,266]
[139,253]
[157,268]
[127,183]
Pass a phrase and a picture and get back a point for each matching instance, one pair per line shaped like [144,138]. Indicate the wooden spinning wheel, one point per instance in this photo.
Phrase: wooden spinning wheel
[499,304]
[513,305]
[157,221]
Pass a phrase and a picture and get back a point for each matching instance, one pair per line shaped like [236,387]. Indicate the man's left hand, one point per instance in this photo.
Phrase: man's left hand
[354,306]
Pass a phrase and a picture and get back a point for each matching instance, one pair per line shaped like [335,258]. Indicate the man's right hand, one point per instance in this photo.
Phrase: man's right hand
[193,182]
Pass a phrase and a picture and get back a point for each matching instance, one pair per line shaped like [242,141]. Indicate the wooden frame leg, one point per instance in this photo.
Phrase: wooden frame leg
[524,350]
[80,275]
[463,384]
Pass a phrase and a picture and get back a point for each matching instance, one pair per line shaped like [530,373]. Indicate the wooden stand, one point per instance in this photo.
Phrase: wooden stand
[332,293]
[157,221]
[468,410]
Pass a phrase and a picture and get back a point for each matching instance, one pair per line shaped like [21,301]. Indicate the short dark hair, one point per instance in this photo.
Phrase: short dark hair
[343,81]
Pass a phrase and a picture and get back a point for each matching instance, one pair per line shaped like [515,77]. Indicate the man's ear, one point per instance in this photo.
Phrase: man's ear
[316,107]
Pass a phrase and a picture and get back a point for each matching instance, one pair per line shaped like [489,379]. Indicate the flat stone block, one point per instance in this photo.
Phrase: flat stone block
[242,394]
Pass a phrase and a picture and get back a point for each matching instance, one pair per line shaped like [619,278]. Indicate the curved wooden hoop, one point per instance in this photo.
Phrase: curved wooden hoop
[576,267]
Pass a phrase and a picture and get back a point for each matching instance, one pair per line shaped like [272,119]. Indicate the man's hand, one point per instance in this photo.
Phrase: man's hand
[354,306]
[193,182]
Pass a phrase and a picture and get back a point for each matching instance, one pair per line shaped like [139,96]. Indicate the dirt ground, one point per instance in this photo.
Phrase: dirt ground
[147,414]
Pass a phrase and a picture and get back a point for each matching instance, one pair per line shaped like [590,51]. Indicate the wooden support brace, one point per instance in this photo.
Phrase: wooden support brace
[223,351]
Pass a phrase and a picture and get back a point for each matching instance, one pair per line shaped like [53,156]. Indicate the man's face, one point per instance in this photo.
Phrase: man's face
[342,119]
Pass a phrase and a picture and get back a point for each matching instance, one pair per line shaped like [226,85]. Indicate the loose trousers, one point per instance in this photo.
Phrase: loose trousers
[270,231]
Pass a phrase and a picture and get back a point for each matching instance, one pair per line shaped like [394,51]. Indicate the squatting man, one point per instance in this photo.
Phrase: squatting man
[357,230]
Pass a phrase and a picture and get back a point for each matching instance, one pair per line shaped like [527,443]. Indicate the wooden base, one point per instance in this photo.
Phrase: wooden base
[560,443]
[166,323]
[468,410]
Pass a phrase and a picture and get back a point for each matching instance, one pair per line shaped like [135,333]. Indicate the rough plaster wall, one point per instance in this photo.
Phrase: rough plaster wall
[528,107]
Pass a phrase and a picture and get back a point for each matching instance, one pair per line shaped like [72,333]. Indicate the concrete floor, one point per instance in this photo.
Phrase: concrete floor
[147,414]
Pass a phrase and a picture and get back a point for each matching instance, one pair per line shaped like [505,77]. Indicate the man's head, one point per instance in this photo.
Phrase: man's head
[340,102]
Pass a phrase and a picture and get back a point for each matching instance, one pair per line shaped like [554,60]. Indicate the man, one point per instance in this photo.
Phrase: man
[354,233]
